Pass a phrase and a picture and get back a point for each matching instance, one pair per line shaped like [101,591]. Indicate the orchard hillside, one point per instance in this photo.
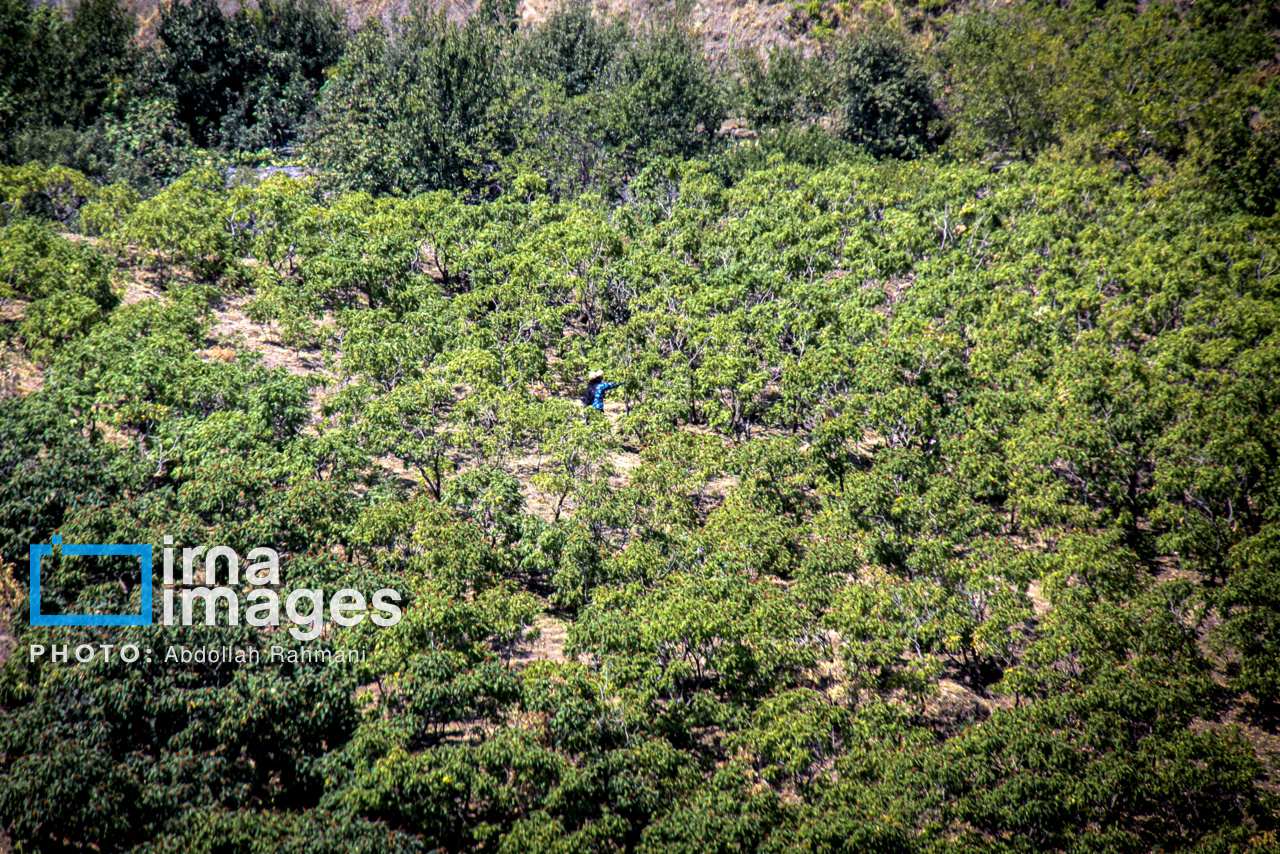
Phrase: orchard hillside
[934,506]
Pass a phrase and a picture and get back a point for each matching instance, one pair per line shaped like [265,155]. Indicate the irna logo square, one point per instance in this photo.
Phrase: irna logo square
[142,551]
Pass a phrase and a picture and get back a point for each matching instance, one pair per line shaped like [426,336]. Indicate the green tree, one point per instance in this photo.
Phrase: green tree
[882,97]
[292,44]
[571,48]
[405,109]
[1004,72]
[199,66]
[786,87]
[60,72]
[183,226]
[664,99]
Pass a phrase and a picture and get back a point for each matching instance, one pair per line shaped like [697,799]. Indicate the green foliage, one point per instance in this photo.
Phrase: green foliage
[262,831]
[60,72]
[871,84]
[571,48]
[882,97]
[41,489]
[36,262]
[560,147]
[67,285]
[183,225]
[665,100]
[1251,618]
[787,88]
[199,63]
[793,733]
[1004,70]
[933,507]
[55,193]
[405,109]
[1145,773]
[293,44]
[812,146]
[1121,85]
[245,81]
[57,318]
[125,723]
[110,207]
[1238,145]
[151,146]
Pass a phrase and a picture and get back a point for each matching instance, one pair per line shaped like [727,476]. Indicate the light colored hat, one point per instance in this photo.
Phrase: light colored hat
[596,375]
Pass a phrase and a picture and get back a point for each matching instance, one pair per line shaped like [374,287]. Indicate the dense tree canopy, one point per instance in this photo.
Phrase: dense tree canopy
[934,506]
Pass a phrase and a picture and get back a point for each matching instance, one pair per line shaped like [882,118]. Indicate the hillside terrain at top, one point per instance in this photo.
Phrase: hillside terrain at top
[723,25]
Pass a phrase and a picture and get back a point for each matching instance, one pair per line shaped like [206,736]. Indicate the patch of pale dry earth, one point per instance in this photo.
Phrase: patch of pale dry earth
[232,327]
[18,374]
[549,643]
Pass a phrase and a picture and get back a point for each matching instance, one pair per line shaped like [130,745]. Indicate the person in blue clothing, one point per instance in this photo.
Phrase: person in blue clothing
[596,388]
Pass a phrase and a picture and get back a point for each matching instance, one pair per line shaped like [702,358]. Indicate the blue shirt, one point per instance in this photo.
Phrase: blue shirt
[598,403]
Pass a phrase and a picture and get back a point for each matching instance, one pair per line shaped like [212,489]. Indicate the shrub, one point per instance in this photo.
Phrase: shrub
[572,48]
[183,225]
[785,88]
[63,316]
[665,98]
[883,99]
[36,263]
[405,110]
